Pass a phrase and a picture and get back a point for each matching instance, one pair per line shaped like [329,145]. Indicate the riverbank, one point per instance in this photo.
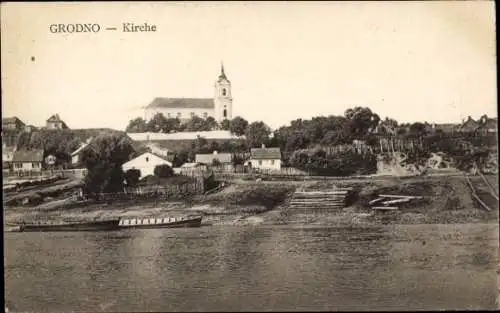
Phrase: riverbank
[447,200]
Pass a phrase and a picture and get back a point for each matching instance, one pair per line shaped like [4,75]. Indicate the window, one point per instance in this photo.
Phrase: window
[192,114]
[169,115]
[260,162]
[34,165]
[147,159]
[223,91]
[19,165]
[179,114]
[272,162]
[225,113]
[205,114]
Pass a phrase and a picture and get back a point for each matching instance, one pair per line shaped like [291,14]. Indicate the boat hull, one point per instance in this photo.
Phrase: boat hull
[191,222]
[90,226]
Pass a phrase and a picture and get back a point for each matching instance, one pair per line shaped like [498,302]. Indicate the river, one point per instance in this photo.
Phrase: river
[259,268]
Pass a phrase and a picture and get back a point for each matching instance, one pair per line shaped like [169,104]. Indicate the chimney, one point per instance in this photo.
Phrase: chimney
[263,146]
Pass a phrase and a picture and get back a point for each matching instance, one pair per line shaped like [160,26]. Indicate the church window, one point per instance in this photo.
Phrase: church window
[223,91]
[225,113]
[147,159]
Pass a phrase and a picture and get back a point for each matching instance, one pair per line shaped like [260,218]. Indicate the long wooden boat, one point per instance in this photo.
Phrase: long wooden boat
[70,226]
[164,222]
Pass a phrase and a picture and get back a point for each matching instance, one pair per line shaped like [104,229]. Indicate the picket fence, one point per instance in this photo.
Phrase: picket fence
[156,191]
[77,173]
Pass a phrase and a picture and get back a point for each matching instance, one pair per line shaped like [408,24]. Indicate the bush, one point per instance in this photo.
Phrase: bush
[132,177]
[163,170]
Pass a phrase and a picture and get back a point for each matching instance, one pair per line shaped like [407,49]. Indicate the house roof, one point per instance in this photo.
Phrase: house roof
[190,165]
[208,158]
[54,118]
[82,147]
[265,153]
[446,127]
[11,120]
[470,124]
[35,155]
[491,123]
[182,103]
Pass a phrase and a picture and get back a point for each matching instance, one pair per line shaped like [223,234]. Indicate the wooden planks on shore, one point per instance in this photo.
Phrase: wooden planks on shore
[387,200]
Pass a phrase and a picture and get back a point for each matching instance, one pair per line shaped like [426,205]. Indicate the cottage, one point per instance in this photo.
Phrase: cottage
[55,122]
[265,158]
[488,125]
[50,160]
[27,160]
[12,123]
[146,163]
[469,126]
[7,156]
[214,158]
[76,155]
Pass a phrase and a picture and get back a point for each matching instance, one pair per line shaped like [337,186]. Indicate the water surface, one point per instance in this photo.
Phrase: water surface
[410,267]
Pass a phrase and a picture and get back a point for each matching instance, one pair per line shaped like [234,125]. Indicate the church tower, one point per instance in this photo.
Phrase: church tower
[223,100]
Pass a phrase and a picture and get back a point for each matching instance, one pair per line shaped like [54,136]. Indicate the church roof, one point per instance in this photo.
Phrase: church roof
[182,103]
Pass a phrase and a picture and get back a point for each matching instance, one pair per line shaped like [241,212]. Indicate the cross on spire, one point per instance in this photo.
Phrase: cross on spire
[222,74]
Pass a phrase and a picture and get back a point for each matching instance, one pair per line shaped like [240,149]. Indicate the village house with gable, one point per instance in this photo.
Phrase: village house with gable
[265,158]
[215,160]
[27,160]
[12,123]
[55,122]
[145,163]
[220,107]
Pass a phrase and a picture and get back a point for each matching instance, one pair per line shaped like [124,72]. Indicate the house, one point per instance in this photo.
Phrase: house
[76,155]
[469,126]
[55,122]
[219,107]
[445,128]
[488,125]
[50,160]
[29,128]
[27,160]
[12,123]
[7,156]
[265,158]
[215,157]
[188,168]
[146,163]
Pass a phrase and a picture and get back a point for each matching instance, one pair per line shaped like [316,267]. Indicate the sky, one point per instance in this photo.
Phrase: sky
[412,61]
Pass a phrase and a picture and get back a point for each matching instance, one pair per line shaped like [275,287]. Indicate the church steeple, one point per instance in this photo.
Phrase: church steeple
[222,74]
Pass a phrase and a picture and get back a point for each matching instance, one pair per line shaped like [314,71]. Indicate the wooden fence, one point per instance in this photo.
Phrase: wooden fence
[156,191]
[77,173]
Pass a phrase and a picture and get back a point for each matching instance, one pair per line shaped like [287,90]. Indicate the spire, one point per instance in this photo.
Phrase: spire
[222,74]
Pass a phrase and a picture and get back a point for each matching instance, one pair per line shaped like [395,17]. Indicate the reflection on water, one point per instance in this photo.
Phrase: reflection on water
[254,268]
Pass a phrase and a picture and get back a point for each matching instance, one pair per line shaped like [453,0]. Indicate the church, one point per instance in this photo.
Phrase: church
[219,107]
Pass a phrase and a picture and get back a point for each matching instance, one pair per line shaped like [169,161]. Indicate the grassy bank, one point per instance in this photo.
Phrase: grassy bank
[446,200]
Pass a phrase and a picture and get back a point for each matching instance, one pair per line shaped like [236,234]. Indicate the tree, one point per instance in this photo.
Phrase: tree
[257,133]
[103,160]
[157,123]
[163,170]
[137,125]
[197,123]
[132,177]
[360,121]
[238,126]
[211,123]
[225,125]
